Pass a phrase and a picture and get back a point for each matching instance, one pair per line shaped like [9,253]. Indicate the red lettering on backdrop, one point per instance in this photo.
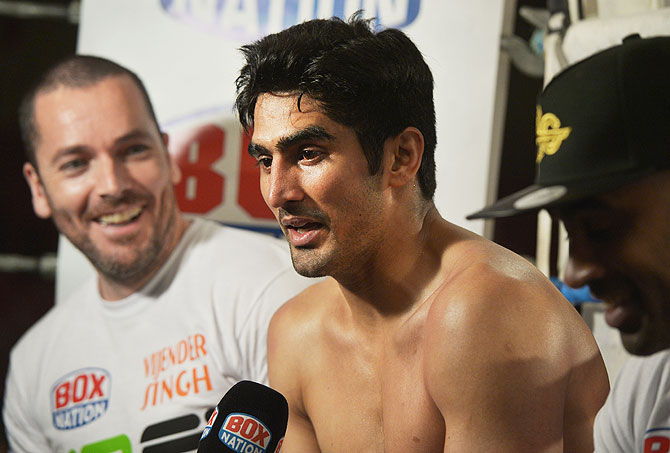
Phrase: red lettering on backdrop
[201,188]
[249,195]
[657,444]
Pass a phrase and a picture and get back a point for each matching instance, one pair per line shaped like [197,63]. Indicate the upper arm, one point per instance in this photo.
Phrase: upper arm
[284,372]
[494,371]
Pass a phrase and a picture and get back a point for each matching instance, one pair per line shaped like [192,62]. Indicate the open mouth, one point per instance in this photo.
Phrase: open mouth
[303,234]
[304,228]
[120,218]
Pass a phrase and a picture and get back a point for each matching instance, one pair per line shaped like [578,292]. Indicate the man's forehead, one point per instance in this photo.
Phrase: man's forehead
[278,116]
[106,110]
[286,105]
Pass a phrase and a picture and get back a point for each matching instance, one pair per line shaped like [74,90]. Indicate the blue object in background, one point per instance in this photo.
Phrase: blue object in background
[575,295]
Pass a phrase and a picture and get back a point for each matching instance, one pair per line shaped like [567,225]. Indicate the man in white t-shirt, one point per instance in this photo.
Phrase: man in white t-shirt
[136,358]
[603,168]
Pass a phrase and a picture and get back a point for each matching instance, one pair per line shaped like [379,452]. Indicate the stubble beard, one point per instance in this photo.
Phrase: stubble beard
[308,263]
[115,268]
[143,262]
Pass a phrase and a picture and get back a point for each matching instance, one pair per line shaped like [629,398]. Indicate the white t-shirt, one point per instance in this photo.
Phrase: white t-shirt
[142,374]
[636,415]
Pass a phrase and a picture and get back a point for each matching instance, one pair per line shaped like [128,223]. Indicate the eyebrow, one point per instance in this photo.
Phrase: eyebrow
[133,135]
[72,150]
[310,133]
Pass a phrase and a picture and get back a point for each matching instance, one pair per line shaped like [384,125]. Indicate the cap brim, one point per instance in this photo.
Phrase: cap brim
[537,197]
[508,206]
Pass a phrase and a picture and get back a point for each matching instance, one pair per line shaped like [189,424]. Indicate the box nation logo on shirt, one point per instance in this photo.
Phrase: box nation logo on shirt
[80,397]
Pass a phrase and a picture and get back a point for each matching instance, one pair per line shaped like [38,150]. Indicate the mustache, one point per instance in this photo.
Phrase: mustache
[299,210]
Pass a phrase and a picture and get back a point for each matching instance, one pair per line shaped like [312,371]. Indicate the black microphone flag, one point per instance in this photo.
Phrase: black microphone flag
[250,418]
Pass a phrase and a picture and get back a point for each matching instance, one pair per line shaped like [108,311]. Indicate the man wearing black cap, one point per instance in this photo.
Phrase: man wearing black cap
[603,168]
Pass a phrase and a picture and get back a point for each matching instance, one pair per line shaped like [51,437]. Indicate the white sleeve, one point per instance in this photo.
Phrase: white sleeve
[636,403]
[252,338]
[23,432]
[611,430]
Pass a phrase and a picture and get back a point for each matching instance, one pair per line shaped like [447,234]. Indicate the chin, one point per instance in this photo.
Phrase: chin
[308,269]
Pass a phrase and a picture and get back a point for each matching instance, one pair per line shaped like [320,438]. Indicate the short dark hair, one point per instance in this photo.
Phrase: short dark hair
[377,83]
[75,71]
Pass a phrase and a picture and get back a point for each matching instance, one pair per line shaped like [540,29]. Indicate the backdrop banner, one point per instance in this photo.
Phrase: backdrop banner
[187,54]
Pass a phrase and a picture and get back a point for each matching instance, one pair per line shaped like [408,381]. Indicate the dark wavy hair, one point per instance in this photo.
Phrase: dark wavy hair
[376,83]
[75,71]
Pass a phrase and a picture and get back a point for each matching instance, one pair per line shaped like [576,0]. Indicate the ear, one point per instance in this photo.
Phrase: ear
[406,152]
[175,171]
[40,202]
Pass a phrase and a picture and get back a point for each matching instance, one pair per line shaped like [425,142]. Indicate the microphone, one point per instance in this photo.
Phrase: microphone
[250,418]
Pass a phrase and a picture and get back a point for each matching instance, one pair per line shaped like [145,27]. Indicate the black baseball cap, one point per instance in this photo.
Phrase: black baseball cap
[601,123]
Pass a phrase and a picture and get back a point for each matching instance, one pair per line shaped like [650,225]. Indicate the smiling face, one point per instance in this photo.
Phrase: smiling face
[315,178]
[105,178]
[620,247]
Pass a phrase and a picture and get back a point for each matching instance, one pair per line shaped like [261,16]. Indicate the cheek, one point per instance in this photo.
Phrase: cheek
[264,181]
[265,192]
[154,178]
[71,195]
[332,184]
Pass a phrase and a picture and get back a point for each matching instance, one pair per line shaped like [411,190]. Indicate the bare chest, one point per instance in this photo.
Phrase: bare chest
[367,400]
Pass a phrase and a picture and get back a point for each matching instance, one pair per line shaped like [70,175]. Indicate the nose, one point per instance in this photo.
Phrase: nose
[282,184]
[583,267]
[112,177]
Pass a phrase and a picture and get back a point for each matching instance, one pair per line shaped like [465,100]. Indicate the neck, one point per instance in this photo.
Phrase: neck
[404,271]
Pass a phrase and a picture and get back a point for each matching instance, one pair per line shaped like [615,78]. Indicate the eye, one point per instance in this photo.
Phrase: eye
[264,161]
[73,165]
[137,149]
[309,155]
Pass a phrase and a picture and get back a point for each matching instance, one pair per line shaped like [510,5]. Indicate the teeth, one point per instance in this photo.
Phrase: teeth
[119,217]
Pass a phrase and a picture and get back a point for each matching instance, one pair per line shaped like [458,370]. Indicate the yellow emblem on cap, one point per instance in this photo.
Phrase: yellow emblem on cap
[549,134]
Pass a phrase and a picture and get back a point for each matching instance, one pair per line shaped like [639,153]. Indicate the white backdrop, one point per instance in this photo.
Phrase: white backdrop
[186,52]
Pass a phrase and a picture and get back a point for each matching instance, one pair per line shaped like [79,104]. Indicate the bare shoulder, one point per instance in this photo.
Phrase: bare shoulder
[298,324]
[308,307]
[488,286]
[505,348]
[497,307]
[295,340]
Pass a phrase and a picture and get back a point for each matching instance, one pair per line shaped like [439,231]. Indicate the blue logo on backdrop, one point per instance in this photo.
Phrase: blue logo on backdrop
[246,20]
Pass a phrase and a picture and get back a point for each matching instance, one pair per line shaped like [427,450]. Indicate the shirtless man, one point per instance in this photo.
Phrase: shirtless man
[427,337]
